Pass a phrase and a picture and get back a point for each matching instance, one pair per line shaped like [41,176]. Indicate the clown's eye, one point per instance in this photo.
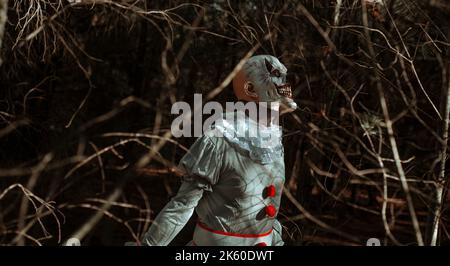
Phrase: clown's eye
[276,73]
[269,66]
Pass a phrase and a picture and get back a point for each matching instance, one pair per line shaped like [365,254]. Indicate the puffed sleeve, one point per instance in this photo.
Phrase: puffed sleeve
[201,165]
[204,161]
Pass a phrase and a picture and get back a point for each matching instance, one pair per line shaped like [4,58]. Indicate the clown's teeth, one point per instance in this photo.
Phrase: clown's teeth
[284,90]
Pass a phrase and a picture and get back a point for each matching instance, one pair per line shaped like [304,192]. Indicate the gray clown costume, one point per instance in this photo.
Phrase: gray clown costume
[233,181]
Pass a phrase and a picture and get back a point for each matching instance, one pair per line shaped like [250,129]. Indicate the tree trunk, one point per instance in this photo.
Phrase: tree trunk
[439,194]
[441,180]
[3,18]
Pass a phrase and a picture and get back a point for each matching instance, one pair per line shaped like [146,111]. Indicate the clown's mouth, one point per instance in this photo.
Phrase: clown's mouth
[284,90]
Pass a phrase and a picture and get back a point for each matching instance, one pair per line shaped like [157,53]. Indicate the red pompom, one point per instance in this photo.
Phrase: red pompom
[271,211]
[262,244]
[271,191]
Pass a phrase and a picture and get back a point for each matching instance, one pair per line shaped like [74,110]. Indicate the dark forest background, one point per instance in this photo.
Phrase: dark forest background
[86,88]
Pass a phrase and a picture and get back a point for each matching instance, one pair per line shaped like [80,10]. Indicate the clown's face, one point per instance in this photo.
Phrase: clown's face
[267,77]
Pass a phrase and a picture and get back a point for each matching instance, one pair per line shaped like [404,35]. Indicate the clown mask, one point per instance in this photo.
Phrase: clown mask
[263,79]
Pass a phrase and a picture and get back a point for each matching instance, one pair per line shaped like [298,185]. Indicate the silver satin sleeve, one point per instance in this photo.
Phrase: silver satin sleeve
[175,214]
[277,233]
[202,165]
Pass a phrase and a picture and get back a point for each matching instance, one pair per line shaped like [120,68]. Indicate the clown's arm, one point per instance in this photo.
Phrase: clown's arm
[202,165]
[277,233]
[175,215]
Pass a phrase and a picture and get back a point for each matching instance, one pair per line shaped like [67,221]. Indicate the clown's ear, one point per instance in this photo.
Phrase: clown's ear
[249,89]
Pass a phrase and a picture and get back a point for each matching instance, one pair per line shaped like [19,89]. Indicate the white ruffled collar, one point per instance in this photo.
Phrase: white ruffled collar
[261,143]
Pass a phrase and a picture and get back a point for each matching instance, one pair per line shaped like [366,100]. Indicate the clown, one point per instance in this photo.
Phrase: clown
[234,182]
